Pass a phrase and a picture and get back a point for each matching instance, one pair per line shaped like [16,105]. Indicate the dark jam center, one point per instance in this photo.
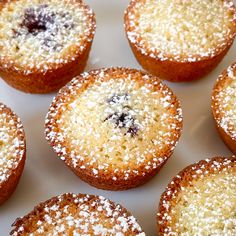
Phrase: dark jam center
[121,120]
[37,19]
[124,119]
[43,19]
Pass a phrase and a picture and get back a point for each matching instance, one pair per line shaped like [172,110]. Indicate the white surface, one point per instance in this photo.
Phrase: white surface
[45,175]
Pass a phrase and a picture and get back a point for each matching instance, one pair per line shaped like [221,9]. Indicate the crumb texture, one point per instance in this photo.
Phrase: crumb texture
[75,215]
[180,29]
[38,33]
[123,121]
[224,100]
[11,142]
[204,200]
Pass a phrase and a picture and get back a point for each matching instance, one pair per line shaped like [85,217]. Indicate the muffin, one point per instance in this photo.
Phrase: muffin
[200,200]
[115,128]
[224,106]
[180,40]
[44,44]
[71,214]
[12,152]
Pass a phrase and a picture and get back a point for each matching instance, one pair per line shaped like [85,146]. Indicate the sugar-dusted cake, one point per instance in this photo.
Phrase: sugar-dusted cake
[200,200]
[180,40]
[44,44]
[71,214]
[115,128]
[224,106]
[12,152]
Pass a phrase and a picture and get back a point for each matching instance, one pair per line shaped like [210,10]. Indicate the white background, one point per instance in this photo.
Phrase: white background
[45,175]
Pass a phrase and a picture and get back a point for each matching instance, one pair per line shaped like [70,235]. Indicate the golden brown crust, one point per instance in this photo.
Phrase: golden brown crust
[107,215]
[231,143]
[52,80]
[225,129]
[8,187]
[41,80]
[106,182]
[167,66]
[9,184]
[110,178]
[175,71]
[186,178]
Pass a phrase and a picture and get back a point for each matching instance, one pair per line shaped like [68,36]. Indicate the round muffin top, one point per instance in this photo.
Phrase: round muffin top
[12,142]
[224,101]
[114,120]
[71,214]
[37,34]
[201,200]
[182,30]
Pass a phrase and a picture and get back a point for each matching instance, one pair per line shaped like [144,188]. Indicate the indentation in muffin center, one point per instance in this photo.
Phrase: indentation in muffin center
[38,19]
[122,116]
[45,24]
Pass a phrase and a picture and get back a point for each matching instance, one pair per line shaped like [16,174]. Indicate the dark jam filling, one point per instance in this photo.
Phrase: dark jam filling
[38,19]
[124,120]
[43,19]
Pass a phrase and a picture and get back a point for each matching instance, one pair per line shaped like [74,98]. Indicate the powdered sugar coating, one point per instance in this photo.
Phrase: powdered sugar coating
[71,214]
[83,127]
[39,35]
[12,142]
[179,30]
[201,200]
[224,101]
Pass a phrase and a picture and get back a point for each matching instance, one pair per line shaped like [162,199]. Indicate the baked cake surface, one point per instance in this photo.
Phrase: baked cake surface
[224,106]
[12,151]
[38,37]
[182,32]
[200,200]
[73,215]
[114,127]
